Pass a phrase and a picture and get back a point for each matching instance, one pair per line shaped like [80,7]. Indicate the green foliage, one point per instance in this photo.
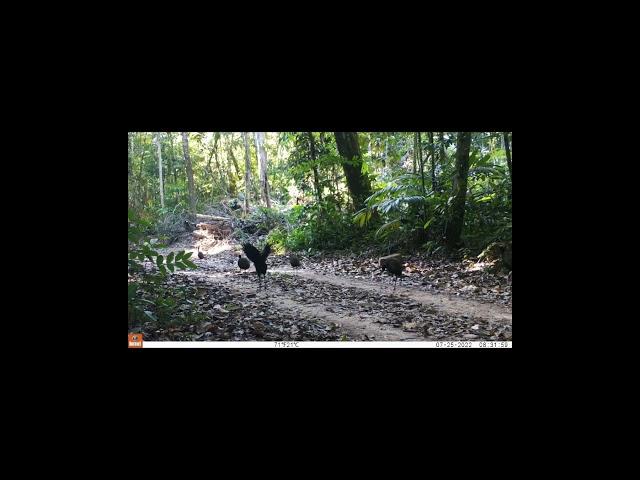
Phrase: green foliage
[399,211]
[142,284]
[316,226]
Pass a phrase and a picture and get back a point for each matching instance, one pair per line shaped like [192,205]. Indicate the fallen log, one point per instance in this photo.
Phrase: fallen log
[212,218]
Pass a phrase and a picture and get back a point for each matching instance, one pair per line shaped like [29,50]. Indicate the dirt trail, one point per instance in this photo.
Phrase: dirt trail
[448,304]
[289,299]
[353,312]
[361,308]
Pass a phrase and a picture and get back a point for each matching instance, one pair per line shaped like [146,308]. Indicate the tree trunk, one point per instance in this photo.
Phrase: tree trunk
[421,161]
[454,226]
[160,168]
[173,156]
[415,152]
[424,189]
[220,173]
[507,149]
[316,177]
[386,150]
[169,162]
[212,178]
[443,153]
[187,162]
[358,183]
[231,178]
[247,172]
[432,151]
[262,167]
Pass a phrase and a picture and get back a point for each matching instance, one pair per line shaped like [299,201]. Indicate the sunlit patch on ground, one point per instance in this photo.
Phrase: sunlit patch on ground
[479,266]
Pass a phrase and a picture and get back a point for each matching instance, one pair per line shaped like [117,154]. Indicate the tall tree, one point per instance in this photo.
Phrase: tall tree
[262,168]
[187,162]
[432,152]
[160,168]
[247,171]
[216,151]
[415,152]
[358,183]
[316,177]
[173,156]
[507,149]
[443,154]
[421,160]
[453,231]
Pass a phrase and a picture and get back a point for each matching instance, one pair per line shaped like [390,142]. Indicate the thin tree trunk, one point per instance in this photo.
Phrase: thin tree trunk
[160,168]
[507,149]
[220,173]
[424,189]
[173,156]
[316,177]
[247,171]
[443,155]
[415,151]
[420,160]
[432,151]
[262,168]
[169,159]
[211,175]
[453,230]
[386,150]
[187,162]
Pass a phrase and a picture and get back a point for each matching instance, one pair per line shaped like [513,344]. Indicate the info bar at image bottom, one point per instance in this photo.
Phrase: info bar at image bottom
[293,344]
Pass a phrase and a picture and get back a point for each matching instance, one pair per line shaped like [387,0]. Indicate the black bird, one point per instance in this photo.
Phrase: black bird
[200,254]
[243,263]
[259,259]
[393,264]
[294,261]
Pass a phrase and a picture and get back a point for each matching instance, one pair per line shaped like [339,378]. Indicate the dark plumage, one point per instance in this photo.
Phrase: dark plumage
[200,254]
[243,263]
[258,258]
[294,261]
[393,264]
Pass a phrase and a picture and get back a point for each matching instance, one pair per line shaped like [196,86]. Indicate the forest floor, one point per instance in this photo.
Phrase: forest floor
[334,297]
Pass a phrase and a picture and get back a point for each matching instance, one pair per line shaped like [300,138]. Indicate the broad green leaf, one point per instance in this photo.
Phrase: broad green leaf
[426,225]
[170,258]
[159,260]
